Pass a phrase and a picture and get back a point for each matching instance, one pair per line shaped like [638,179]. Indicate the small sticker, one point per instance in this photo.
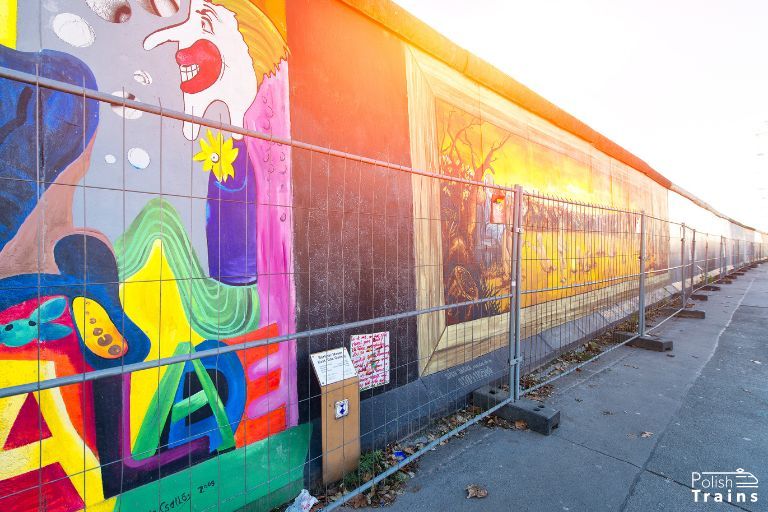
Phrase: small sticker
[342,408]
[498,214]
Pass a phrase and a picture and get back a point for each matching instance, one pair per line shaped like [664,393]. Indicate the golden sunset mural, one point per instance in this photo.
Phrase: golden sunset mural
[570,248]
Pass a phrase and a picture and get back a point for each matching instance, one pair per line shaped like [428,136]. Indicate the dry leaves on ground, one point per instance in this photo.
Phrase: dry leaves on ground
[358,501]
[476,491]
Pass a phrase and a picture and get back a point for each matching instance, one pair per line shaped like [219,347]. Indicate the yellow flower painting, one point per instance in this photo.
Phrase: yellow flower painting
[217,155]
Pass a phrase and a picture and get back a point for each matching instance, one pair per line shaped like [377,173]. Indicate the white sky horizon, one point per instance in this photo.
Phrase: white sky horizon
[683,85]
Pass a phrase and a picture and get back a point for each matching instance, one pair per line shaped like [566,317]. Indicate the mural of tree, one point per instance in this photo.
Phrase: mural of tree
[473,248]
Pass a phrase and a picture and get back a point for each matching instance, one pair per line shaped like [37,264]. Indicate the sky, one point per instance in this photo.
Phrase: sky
[682,84]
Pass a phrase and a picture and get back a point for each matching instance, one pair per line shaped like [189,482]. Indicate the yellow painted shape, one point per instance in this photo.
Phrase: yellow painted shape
[97,329]
[152,300]
[8,14]
[554,259]
[65,446]
[107,505]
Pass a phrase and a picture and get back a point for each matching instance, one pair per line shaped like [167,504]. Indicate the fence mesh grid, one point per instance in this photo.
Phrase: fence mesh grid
[447,306]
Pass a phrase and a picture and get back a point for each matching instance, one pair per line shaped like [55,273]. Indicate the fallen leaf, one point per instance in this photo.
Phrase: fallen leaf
[476,491]
[646,434]
[358,501]
[521,424]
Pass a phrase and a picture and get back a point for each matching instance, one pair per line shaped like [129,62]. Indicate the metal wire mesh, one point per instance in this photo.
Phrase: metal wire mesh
[580,273]
[474,284]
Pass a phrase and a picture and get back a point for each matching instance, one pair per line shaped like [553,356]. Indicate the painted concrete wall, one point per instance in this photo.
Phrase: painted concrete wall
[128,237]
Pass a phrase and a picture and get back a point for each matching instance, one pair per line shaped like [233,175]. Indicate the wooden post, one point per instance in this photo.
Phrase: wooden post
[341,436]
[340,412]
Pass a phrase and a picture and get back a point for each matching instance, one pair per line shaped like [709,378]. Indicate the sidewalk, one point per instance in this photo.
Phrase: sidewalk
[706,407]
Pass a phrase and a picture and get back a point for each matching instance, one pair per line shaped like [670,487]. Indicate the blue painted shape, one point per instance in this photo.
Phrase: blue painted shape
[70,258]
[37,325]
[32,154]
[228,365]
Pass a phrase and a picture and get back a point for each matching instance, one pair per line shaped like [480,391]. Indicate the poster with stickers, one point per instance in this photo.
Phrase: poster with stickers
[370,356]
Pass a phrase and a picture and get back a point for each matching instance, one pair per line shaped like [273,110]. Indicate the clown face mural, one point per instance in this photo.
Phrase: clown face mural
[222,56]
[230,51]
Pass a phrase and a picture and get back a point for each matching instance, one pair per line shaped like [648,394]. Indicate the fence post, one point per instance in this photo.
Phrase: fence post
[693,260]
[641,303]
[706,259]
[722,257]
[514,306]
[682,267]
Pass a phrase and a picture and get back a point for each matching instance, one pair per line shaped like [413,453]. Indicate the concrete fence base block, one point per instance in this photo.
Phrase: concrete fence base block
[710,288]
[651,343]
[539,417]
[647,342]
[685,313]
[699,296]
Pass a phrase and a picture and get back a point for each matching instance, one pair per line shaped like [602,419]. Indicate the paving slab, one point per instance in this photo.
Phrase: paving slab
[551,477]
[654,492]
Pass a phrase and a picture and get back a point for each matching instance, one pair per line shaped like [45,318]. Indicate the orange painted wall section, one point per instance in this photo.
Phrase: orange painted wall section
[348,87]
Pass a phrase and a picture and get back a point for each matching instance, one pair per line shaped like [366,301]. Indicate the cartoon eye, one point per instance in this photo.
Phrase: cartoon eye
[9,327]
[206,24]
[32,323]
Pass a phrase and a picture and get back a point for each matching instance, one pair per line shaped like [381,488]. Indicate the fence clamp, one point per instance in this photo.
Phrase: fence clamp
[519,230]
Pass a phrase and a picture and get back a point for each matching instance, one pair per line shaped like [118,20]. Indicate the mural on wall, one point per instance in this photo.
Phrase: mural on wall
[146,276]
[127,237]
[560,245]
[470,133]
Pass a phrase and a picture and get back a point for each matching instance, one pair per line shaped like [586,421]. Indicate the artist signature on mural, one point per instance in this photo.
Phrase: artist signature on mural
[182,498]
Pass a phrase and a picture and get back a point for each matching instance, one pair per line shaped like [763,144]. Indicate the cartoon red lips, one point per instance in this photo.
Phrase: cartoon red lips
[200,66]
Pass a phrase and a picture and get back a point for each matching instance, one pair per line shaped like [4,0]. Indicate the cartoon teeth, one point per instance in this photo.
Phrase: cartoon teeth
[188,72]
